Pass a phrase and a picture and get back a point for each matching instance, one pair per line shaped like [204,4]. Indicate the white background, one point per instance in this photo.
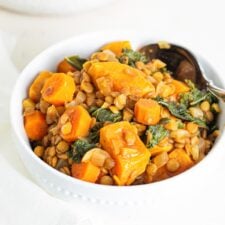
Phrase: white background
[198,24]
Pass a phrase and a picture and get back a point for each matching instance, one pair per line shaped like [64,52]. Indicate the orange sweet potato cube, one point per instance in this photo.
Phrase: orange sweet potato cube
[147,111]
[131,156]
[74,123]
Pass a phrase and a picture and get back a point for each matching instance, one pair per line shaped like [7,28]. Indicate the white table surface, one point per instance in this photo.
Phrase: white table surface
[200,24]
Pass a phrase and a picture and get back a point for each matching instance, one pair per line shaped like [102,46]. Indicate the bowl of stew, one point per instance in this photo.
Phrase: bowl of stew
[92,117]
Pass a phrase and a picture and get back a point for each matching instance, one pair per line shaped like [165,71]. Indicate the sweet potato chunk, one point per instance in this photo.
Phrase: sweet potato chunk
[36,86]
[183,159]
[65,67]
[120,77]
[117,47]
[147,111]
[180,87]
[159,149]
[58,89]
[35,125]
[131,156]
[184,162]
[85,171]
[74,123]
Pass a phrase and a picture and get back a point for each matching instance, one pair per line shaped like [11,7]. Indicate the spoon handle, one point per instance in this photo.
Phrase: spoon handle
[218,92]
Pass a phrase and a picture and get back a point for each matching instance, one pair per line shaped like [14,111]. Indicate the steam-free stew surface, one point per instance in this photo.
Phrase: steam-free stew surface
[117,118]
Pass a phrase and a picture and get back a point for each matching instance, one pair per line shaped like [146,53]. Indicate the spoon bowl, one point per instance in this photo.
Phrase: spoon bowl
[183,65]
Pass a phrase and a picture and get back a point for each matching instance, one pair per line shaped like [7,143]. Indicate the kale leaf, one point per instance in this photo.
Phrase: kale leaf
[132,56]
[158,132]
[94,133]
[103,115]
[195,96]
[180,111]
[76,61]
[79,148]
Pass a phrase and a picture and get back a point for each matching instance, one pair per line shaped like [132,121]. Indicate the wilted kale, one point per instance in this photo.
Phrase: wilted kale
[132,56]
[76,61]
[158,132]
[103,115]
[195,96]
[180,110]
[94,132]
[79,148]
[164,121]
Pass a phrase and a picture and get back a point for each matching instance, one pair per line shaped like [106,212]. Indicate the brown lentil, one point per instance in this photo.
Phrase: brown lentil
[151,169]
[120,101]
[62,156]
[62,147]
[161,159]
[172,165]
[216,107]
[43,106]
[66,128]
[192,127]
[87,87]
[65,170]
[28,105]
[209,116]
[205,106]
[39,151]
[106,180]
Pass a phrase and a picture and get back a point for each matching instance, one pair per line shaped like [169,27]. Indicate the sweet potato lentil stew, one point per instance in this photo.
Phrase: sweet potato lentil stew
[117,118]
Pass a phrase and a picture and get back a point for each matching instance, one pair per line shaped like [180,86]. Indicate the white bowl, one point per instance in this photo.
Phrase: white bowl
[52,7]
[71,189]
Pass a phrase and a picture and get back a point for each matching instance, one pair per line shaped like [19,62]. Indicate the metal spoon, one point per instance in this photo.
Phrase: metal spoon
[183,64]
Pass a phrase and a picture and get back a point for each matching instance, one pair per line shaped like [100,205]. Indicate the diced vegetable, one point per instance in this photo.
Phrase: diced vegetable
[35,125]
[119,77]
[178,162]
[183,159]
[65,67]
[117,47]
[58,89]
[147,111]
[85,171]
[131,156]
[36,86]
[180,87]
[74,123]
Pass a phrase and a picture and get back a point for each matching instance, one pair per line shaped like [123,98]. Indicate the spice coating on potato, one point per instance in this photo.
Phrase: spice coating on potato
[131,156]
[119,77]
[58,89]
